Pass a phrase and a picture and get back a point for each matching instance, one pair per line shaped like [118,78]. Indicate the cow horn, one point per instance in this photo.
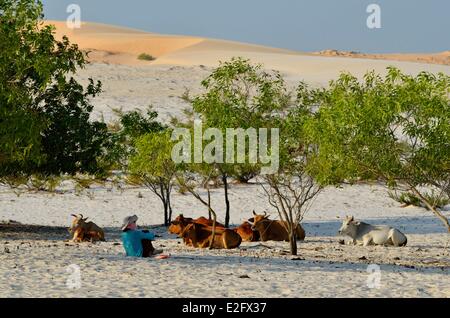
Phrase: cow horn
[74,215]
[81,216]
[254,213]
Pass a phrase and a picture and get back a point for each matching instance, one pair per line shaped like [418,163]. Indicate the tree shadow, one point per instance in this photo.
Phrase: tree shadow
[17,231]
[275,264]
[406,224]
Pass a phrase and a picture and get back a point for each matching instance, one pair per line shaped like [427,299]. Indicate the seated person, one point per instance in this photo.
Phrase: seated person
[136,242]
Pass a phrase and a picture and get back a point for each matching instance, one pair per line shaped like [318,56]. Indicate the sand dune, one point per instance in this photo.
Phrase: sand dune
[119,45]
[183,62]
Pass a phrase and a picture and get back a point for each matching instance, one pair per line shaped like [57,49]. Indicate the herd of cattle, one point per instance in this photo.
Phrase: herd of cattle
[199,233]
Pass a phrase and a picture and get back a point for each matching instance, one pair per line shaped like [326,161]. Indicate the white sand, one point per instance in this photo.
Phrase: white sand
[36,263]
[129,87]
[33,262]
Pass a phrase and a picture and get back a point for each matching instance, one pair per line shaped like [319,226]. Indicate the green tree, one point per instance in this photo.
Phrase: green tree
[292,189]
[152,165]
[71,142]
[44,112]
[394,129]
[124,132]
[193,176]
[239,95]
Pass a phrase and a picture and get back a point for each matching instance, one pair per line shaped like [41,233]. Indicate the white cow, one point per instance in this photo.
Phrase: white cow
[366,234]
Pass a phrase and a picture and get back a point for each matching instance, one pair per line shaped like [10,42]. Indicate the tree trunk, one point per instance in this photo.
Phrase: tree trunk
[214,220]
[293,242]
[227,202]
[170,214]
[432,209]
[164,201]
[166,214]
[169,204]
[209,204]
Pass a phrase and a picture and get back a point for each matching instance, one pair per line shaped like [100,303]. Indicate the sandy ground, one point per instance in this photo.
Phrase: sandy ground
[35,257]
[130,87]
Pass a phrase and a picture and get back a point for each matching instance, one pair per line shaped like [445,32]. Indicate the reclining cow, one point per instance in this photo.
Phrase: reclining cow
[274,230]
[246,233]
[178,225]
[85,231]
[200,237]
[366,234]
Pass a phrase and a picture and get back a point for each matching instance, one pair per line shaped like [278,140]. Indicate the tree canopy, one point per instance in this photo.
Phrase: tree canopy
[394,129]
[44,112]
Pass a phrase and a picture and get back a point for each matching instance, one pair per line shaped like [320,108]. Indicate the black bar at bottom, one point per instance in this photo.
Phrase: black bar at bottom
[219,307]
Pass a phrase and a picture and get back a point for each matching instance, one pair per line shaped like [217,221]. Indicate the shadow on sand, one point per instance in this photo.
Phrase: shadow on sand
[408,225]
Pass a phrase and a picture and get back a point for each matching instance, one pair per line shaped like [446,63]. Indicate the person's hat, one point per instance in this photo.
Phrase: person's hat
[129,220]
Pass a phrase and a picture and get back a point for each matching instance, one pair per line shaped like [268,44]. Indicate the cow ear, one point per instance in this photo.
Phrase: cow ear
[352,218]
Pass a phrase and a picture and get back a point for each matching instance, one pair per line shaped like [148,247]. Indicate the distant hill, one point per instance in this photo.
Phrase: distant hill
[119,45]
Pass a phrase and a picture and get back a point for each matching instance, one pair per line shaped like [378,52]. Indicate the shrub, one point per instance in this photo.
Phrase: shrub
[146,57]
[394,130]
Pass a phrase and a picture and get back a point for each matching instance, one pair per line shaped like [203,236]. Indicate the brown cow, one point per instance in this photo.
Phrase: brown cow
[200,236]
[246,233]
[85,231]
[179,224]
[273,230]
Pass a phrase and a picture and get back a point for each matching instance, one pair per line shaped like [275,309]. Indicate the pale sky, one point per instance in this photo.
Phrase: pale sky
[304,25]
